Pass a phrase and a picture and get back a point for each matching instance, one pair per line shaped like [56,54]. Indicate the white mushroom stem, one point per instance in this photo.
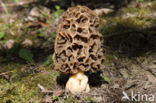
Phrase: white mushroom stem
[78,83]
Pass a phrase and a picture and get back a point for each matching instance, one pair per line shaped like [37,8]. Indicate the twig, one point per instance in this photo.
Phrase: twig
[4,7]
[44,90]
[5,73]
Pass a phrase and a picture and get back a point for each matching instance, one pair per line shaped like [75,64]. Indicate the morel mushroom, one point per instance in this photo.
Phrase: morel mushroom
[78,47]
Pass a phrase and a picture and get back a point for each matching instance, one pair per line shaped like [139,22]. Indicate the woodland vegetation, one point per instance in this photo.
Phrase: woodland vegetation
[27,37]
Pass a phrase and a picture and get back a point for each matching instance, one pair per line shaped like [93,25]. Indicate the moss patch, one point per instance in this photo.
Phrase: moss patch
[20,85]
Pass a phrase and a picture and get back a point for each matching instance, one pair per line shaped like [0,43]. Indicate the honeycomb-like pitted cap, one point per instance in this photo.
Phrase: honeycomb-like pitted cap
[78,44]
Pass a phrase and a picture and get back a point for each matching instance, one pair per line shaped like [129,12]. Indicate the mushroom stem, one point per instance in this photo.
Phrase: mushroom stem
[78,83]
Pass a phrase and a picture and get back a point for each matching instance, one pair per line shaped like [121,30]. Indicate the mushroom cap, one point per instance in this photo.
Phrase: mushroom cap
[78,44]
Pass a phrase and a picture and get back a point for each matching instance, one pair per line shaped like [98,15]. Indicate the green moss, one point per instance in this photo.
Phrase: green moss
[47,79]
[121,25]
[135,8]
[22,84]
[153,6]
[143,11]
[126,35]
[12,30]
[72,99]
[18,30]
[19,92]
[11,67]
[89,99]
[109,56]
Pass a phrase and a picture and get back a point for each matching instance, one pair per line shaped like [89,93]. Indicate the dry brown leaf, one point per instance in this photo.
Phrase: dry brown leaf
[9,44]
[58,92]
[27,42]
[5,75]
[48,99]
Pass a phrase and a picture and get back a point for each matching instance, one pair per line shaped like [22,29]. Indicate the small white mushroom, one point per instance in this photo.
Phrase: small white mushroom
[78,82]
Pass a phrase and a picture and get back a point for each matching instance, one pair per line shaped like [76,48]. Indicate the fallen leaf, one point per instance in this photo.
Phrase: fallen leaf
[9,44]
[27,42]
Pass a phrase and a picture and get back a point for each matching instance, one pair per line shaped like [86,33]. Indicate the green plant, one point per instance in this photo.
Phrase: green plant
[37,101]
[132,10]
[45,14]
[12,51]
[50,21]
[16,1]
[4,41]
[53,37]
[153,6]
[49,60]
[105,78]
[26,54]
[43,32]
[55,97]
[141,0]
[89,99]
[2,34]
[58,11]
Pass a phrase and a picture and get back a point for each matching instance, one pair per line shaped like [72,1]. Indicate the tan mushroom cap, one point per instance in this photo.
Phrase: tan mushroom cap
[78,44]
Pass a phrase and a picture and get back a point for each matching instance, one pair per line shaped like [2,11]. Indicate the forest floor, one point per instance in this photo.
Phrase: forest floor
[27,36]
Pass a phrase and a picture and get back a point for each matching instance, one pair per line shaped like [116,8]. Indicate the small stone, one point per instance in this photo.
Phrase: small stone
[124,73]
[115,86]
[152,79]
[153,66]
[98,99]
